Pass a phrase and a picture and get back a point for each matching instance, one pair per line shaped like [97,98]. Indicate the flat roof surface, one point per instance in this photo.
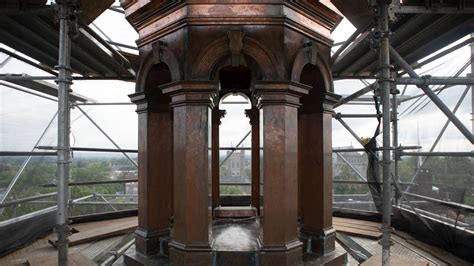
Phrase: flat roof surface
[404,245]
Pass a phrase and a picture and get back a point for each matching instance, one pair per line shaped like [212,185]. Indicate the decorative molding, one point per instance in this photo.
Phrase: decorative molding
[312,51]
[236,42]
[146,103]
[279,93]
[157,50]
[191,92]
[210,21]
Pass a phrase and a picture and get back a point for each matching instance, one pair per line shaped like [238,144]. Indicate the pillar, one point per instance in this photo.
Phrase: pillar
[315,174]
[254,116]
[191,103]
[154,173]
[216,122]
[279,102]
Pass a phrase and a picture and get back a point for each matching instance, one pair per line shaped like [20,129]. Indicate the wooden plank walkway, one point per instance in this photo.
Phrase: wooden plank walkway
[93,231]
[75,259]
[357,227]
[438,253]
[41,252]
[394,261]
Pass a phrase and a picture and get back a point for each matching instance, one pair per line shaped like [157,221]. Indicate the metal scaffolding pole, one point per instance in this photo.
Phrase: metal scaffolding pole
[434,81]
[64,81]
[348,42]
[396,157]
[441,154]
[385,81]
[357,94]
[472,87]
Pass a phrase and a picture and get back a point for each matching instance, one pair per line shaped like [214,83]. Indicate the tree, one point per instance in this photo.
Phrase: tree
[348,174]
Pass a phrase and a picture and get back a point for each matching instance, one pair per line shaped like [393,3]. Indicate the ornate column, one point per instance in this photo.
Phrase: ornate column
[254,116]
[216,121]
[191,103]
[154,173]
[279,102]
[315,174]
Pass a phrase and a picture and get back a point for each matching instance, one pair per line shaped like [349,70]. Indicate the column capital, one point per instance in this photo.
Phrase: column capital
[146,103]
[329,100]
[219,114]
[192,92]
[253,114]
[279,93]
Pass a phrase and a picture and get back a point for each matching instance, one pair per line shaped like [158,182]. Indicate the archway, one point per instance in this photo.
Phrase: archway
[315,163]
[233,136]
[159,74]
[235,143]
[155,172]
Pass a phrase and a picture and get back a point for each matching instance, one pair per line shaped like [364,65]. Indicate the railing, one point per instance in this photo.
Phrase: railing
[40,199]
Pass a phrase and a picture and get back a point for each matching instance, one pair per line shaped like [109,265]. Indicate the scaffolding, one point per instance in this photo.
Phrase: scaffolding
[390,72]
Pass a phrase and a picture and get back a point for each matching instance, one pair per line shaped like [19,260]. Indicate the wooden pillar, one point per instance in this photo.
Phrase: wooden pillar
[154,173]
[315,174]
[279,102]
[216,121]
[254,116]
[191,103]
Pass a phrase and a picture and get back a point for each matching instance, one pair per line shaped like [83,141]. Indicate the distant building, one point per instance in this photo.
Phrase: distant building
[235,172]
[131,188]
[357,159]
[235,164]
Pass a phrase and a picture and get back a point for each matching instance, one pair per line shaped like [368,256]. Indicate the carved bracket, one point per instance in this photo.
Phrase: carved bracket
[236,42]
[157,49]
[253,114]
[218,115]
[312,52]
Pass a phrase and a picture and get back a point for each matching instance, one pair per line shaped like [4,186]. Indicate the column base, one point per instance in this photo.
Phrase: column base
[321,243]
[290,257]
[182,257]
[151,243]
[335,258]
[133,258]
[280,248]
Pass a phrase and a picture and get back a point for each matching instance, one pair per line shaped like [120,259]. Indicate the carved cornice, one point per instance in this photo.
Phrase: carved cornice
[155,19]
[316,9]
[192,92]
[139,12]
[253,114]
[329,100]
[218,114]
[147,103]
[279,93]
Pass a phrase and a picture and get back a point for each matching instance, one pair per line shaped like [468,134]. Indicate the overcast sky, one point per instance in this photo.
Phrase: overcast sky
[23,117]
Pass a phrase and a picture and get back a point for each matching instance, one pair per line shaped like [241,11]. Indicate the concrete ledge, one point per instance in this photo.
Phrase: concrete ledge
[335,258]
[235,212]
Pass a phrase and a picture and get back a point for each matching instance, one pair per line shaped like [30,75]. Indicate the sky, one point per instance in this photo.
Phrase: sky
[23,117]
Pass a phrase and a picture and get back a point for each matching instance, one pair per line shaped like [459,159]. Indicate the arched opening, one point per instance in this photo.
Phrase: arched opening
[158,75]
[235,80]
[155,145]
[315,162]
[312,76]
[234,145]
[234,138]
